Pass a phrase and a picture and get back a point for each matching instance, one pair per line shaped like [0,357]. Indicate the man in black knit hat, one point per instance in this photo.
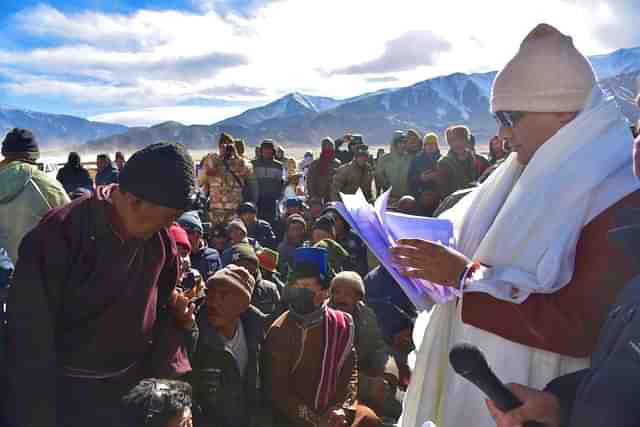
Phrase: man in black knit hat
[26,193]
[93,308]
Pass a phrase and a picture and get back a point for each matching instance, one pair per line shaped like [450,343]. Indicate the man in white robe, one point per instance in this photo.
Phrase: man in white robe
[530,254]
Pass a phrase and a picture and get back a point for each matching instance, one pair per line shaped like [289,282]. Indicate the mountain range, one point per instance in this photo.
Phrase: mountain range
[430,105]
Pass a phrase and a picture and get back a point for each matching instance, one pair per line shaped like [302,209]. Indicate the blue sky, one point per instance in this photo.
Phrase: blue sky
[139,62]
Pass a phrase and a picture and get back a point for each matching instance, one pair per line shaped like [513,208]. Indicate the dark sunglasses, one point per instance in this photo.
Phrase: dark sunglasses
[508,119]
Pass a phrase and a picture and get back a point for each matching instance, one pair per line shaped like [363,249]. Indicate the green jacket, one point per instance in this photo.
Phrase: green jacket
[351,177]
[393,171]
[26,194]
[455,174]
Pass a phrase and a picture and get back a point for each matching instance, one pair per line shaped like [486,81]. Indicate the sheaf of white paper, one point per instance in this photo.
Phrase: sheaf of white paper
[380,229]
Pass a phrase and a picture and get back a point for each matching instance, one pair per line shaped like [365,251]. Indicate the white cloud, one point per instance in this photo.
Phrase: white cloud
[161,58]
[184,115]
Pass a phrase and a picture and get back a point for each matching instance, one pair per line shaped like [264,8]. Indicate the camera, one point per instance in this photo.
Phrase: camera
[188,281]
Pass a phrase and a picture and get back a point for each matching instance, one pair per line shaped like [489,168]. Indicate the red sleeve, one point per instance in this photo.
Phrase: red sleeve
[568,321]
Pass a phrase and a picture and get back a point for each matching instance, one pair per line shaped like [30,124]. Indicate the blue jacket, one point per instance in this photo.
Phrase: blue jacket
[207,261]
[606,394]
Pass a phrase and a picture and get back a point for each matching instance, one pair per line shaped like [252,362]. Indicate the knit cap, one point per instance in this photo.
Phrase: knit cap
[349,279]
[21,141]
[190,221]
[548,74]
[160,173]
[240,252]
[235,276]
[237,223]
[268,259]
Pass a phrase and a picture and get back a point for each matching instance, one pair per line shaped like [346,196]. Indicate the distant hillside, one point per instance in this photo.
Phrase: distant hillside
[56,130]
[430,105]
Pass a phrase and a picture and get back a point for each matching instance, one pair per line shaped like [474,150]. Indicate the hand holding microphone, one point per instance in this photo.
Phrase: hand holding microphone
[469,362]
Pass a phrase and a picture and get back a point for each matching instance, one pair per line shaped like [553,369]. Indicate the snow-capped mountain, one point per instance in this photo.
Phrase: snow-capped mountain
[430,105]
[293,104]
[55,130]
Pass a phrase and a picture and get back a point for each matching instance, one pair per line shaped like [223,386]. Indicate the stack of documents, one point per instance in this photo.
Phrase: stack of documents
[380,230]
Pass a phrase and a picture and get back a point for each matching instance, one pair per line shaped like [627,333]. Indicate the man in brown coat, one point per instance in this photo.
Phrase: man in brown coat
[353,176]
[321,171]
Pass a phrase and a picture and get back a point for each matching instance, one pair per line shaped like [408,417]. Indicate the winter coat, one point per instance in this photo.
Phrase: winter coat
[318,185]
[269,175]
[351,177]
[455,174]
[357,260]
[26,194]
[393,172]
[224,397]
[421,163]
[266,297]
[606,393]
[109,175]
[206,260]
[263,232]
[226,192]
[73,178]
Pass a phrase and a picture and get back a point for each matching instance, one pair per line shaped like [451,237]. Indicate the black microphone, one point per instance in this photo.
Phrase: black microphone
[468,361]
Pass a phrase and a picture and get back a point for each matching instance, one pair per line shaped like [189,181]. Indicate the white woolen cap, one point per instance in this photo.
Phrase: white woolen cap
[547,75]
[349,279]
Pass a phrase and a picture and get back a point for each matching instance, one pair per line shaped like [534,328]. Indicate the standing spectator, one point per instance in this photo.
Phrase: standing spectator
[109,260]
[268,172]
[496,150]
[288,163]
[294,238]
[321,171]
[354,175]
[481,162]
[227,179]
[303,167]
[226,373]
[120,160]
[203,258]
[107,172]
[240,147]
[26,193]
[157,403]
[393,169]
[257,229]
[311,373]
[343,155]
[424,165]
[376,367]
[456,170]
[266,296]
[74,176]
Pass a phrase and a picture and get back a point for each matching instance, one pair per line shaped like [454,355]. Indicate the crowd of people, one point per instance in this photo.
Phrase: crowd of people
[230,291]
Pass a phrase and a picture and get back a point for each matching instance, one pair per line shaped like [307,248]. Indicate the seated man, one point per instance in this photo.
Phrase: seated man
[378,373]
[257,229]
[225,364]
[310,364]
[265,295]
[351,242]
[157,403]
[238,233]
[203,258]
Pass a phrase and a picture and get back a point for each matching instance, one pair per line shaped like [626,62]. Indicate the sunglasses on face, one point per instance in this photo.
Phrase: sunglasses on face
[508,119]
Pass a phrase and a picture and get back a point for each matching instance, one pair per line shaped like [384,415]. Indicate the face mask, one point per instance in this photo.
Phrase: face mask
[300,300]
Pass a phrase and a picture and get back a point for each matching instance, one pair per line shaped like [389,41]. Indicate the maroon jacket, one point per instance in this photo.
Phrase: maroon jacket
[568,321]
[88,316]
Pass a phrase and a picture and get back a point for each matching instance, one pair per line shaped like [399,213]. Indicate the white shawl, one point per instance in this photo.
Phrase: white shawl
[526,224]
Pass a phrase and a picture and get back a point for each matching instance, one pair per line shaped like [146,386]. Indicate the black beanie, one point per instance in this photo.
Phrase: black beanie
[22,142]
[326,223]
[160,173]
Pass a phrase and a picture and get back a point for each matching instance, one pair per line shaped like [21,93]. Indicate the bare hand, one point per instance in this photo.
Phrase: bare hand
[182,310]
[430,261]
[538,406]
